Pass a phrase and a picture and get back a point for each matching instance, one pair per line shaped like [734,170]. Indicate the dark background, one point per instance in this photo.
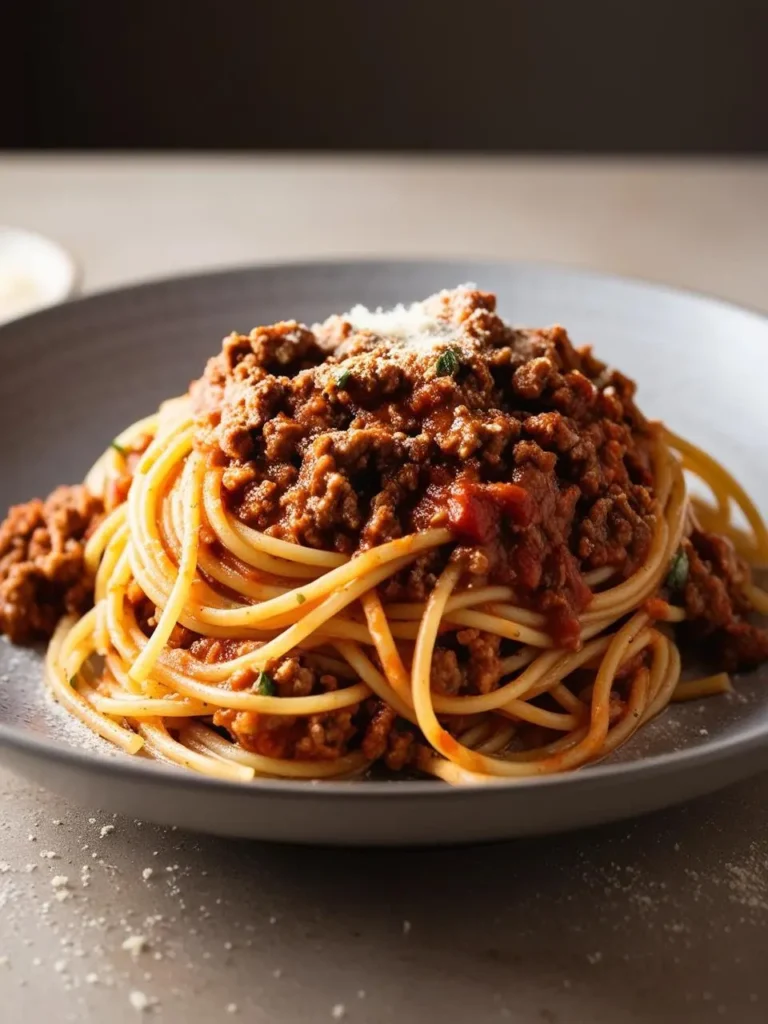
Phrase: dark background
[520,75]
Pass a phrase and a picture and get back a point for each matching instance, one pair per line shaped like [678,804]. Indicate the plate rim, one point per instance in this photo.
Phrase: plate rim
[687,759]
[341,261]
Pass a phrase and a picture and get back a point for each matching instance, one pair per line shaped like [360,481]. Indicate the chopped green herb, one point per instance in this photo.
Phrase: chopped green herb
[265,685]
[343,378]
[119,449]
[72,681]
[678,571]
[300,598]
[448,363]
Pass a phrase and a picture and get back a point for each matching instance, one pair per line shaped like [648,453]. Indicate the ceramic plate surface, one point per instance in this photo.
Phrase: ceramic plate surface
[72,377]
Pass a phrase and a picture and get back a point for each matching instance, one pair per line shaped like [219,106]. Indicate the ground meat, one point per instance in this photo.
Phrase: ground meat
[483,666]
[42,573]
[357,432]
[447,677]
[716,604]
[401,749]
[372,727]
[312,738]
[388,738]
[471,665]
[212,650]
[379,728]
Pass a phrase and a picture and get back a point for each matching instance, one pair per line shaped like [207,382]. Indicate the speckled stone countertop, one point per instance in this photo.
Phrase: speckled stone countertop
[658,920]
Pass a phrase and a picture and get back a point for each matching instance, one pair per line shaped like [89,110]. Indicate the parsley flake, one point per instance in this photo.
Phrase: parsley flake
[678,571]
[300,598]
[265,685]
[343,378]
[119,449]
[448,363]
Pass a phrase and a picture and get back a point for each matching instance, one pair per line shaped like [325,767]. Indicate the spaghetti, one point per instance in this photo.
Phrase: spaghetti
[224,642]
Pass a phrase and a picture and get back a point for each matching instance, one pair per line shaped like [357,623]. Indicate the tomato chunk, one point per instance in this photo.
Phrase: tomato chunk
[475,511]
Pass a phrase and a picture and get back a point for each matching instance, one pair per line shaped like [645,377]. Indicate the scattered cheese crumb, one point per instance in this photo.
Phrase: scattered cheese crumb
[49,855]
[62,894]
[339,1011]
[227,945]
[231,1007]
[91,979]
[361,993]
[57,821]
[414,326]
[105,830]
[4,867]
[59,881]
[91,821]
[147,873]
[135,944]
[4,961]
[60,966]
[139,1001]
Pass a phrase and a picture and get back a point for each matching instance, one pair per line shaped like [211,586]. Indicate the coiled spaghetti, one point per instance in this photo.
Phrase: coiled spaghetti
[175,542]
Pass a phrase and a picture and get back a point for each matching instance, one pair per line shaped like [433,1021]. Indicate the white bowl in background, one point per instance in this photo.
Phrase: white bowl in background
[34,272]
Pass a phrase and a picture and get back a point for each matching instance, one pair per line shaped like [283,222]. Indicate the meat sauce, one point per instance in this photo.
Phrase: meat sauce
[530,451]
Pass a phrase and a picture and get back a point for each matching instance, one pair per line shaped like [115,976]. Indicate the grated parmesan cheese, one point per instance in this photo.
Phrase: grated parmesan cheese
[414,326]
[135,944]
[139,1001]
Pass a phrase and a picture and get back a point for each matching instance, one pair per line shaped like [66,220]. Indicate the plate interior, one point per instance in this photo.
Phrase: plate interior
[72,377]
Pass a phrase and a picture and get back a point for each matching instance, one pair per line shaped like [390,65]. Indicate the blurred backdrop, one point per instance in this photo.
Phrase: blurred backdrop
[491,75]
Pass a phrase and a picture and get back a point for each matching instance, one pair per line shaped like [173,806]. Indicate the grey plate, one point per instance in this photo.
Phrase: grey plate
[71,377]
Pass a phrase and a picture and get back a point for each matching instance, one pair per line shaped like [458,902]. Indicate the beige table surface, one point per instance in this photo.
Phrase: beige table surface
[660,920]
